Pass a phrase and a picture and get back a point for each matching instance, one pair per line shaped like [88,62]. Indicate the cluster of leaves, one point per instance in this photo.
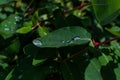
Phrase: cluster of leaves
[59,40]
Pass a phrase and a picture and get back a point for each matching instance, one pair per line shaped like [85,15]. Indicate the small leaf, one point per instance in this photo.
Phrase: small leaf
[114,32]
[9,26]
[35,61]
[27,27]
[35,18]
[93,70]
[3,2]
[64,37]
[104,59]
[117,72]
[42,31]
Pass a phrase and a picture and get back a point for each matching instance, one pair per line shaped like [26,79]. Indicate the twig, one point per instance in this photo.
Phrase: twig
[29,5]
[97,44]
[80,7]
[36,25]
[76,54]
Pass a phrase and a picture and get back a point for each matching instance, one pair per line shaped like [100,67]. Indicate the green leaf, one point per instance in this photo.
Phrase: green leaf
[9,75]
[6,74]
[35,18]
[42,31]
[117,72]
[106,10]
[8,26]
[26,71]
[2,2]
[114,32]
[39,53]
[104,59]
[36,62]
[12,48]
[70,71]
[27,27]
[93,70]
[64,37]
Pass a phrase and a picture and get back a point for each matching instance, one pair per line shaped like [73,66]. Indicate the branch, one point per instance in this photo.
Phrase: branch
[97,44]
[80,7]
[76,54]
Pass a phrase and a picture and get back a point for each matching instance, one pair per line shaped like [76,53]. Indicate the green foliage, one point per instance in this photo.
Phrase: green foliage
[70,36]
[108,8]
[59,40]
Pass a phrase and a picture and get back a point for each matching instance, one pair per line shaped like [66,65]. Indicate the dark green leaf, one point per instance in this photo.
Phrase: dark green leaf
[9,26]
[70,71]
[106,10]
[64,37]
[2,2]
[27,27]
[93,70]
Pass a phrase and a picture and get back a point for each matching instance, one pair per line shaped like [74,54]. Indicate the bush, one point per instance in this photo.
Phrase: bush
[59,40]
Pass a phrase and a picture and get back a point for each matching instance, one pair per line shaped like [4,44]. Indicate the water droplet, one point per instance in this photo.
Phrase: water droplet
[76,38]
[71,42]
[20,76]
[37,42]
[63,41]
[7,29]
[17,18]
[68,41]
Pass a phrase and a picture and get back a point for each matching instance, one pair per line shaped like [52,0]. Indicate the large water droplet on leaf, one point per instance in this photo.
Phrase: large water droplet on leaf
[37,42]
[76,38]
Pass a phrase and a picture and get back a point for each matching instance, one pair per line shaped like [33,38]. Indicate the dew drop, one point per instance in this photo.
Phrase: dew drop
[63,42]
[37,43]
[71,42]
[17,18]
[76,38]
[68,41]
[20,76]
[7,29]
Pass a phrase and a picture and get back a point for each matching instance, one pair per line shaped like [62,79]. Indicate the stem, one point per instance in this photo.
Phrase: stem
[97,44]
[76,54]
[80,7]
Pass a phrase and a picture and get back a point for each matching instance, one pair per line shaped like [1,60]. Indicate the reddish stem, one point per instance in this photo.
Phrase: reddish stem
[76,54]
[97,44]
[80,7]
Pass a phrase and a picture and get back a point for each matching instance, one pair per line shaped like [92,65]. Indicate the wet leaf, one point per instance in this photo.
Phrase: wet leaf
[64,37]
[106,10]
[9,26]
